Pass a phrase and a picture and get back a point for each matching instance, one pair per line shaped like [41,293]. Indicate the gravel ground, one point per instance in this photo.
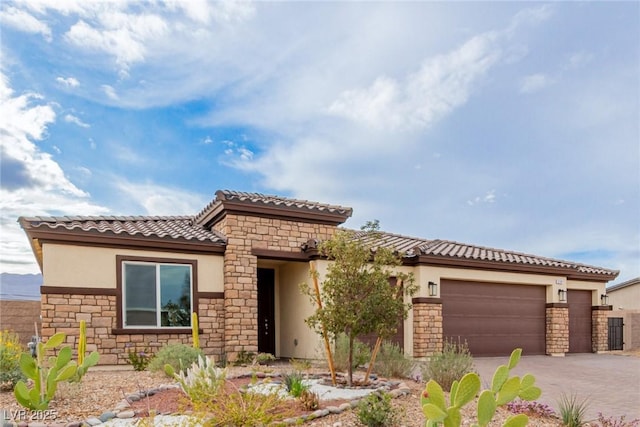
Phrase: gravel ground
[101,390]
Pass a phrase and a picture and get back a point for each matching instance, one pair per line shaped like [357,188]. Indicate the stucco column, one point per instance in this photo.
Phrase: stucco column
[427,326]
[557,329]
[600,327]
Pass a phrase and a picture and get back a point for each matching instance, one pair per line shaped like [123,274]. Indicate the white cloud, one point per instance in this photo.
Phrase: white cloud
[70,118]
[23,21]
[110,92]
[118,34]
[489,197]
[535,82]
[68,81]
[442,84]
[32,182]
[236,154]
[159,200]
[222,11]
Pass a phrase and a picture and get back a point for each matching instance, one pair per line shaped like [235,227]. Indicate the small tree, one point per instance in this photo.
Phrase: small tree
[357,298]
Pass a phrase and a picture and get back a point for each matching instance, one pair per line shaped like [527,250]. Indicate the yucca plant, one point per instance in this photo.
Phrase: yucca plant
[572,410]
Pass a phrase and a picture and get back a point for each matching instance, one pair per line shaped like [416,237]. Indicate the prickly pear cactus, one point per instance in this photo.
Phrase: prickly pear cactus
[503,390]
[45,374]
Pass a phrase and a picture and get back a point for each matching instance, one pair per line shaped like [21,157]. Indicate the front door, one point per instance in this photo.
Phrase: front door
[266,309]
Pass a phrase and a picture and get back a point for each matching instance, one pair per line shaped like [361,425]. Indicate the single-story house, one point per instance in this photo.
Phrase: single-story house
[239,262]
[624,319]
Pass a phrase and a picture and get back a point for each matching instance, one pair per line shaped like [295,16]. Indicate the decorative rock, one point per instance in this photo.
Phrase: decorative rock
[396,393]
[106,416]
[337,424]
[344,407]
[334,409]
[93,421]
[133,397]
[126,414]
[320,413]
[75,424]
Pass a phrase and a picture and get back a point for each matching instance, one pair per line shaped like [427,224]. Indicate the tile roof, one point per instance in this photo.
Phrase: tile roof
[163,227]
[445,249]
[191,229]
[275,202]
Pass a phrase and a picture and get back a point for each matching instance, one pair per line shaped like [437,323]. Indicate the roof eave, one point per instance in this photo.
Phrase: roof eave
[109,239]
[267,211]
[511,267]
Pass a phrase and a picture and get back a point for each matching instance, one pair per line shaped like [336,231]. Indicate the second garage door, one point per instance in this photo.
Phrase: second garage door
[494,318]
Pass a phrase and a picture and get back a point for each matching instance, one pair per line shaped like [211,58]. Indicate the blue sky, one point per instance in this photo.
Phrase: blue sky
[512,125]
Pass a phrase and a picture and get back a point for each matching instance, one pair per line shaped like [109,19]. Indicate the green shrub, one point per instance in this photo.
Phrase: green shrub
[10,349]
[202,379]
[361,353]
[572,411]
[452,363]
[390,361]
[244,409]
[310,400]
[294,383]
[139,359]
[244,358]
[263,359]
[376,410]
[179,356]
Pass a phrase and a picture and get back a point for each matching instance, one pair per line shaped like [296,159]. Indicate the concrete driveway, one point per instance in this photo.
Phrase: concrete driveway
[611,382]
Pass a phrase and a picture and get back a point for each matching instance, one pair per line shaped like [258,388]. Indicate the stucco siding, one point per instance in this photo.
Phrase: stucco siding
[627,298]
[95,267]
[296,338]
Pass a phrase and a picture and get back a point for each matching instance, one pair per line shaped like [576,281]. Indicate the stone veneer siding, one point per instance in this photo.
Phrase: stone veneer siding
[600,328]
[427,328]
[245,233]
[63,313]
[557,329]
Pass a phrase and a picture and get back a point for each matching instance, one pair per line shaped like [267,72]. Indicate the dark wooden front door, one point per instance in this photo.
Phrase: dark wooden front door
[266,310]
[579,321]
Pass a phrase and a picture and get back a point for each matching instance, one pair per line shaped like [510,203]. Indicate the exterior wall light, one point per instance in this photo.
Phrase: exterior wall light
[433,289]
[604,299]
[562,295]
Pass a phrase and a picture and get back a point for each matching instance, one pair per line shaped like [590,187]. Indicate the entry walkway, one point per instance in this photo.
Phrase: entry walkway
[611,382]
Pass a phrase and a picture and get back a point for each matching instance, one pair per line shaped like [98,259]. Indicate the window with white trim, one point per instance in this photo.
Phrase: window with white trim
[156,294]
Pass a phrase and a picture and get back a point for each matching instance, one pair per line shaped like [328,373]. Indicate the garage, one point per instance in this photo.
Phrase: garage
[494,318]
[579,321]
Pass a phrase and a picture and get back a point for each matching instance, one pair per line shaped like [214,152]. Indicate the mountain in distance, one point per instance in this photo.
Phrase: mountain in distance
[20,286]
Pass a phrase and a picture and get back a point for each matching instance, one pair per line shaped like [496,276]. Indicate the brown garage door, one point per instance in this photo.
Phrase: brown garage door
[494,318]
[579,321]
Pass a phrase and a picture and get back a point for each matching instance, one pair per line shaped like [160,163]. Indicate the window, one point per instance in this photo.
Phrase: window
[156,294]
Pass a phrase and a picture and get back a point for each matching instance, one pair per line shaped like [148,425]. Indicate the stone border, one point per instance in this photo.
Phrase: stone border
[123,410]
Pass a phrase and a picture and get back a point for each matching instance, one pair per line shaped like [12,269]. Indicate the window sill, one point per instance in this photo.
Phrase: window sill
[137,331]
